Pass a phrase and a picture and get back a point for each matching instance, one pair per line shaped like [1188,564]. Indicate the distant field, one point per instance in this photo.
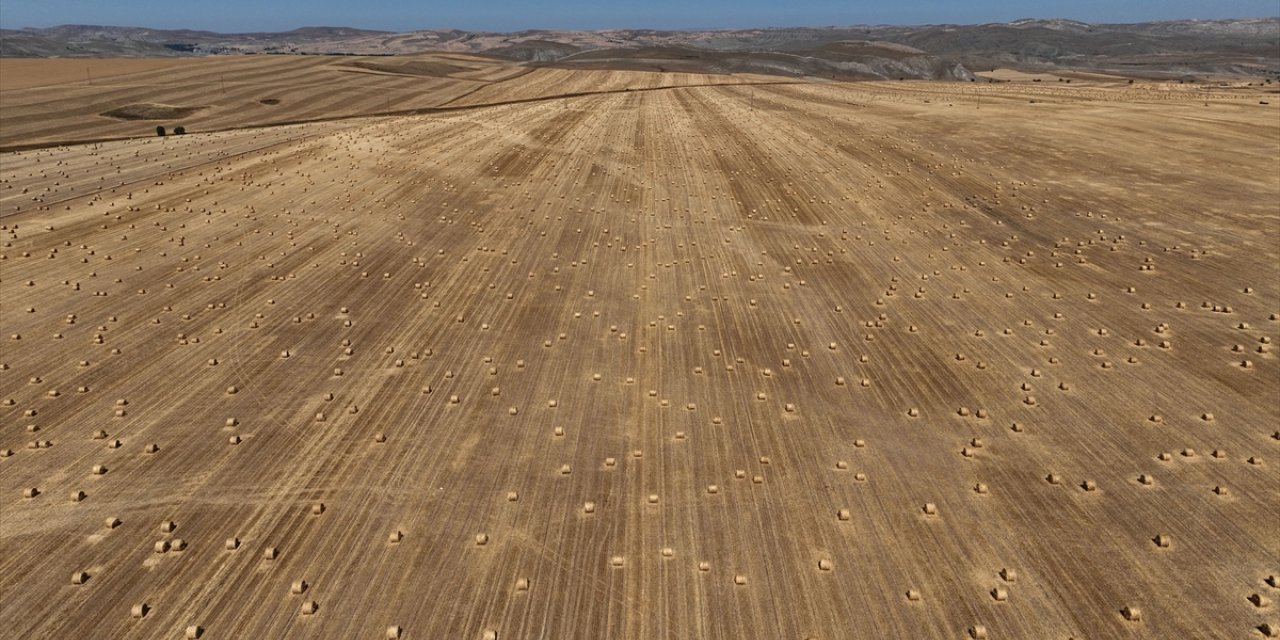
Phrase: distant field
[635,355]
[24,73]
[239,91]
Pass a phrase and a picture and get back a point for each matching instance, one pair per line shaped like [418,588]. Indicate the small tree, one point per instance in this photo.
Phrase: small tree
[160,130]
[179,130]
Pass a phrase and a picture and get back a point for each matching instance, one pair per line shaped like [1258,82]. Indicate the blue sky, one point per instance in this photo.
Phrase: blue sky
[511,15]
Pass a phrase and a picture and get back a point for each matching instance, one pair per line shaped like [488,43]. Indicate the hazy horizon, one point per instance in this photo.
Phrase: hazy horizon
[243,16]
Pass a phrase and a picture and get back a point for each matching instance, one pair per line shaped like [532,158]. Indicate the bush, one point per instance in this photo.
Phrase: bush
[179,130]
[160,131]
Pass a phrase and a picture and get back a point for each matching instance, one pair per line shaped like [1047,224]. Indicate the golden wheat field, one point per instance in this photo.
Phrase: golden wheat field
[636,355]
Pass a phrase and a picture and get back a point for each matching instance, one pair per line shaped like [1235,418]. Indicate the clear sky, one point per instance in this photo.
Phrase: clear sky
[513,15]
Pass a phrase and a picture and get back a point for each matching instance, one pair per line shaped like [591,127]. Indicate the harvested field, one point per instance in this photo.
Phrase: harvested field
[23,73]
[802,360]
[245,91]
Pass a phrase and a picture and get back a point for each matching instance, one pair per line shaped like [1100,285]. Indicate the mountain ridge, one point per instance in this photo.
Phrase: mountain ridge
[1249,46]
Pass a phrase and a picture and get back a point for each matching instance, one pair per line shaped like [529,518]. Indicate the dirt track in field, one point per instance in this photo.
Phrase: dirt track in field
[806,361]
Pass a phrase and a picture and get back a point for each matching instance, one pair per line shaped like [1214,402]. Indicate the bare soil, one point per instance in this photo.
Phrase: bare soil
[817,360]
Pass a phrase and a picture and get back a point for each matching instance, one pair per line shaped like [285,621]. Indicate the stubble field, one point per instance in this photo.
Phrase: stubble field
[792,360]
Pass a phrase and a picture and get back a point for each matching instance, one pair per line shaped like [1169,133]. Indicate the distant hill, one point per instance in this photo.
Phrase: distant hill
[1238,46]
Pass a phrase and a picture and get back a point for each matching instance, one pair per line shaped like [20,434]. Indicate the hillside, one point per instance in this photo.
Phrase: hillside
[1237,47]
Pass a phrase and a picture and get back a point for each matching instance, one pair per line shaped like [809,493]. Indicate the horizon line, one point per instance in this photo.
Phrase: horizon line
[635,28]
